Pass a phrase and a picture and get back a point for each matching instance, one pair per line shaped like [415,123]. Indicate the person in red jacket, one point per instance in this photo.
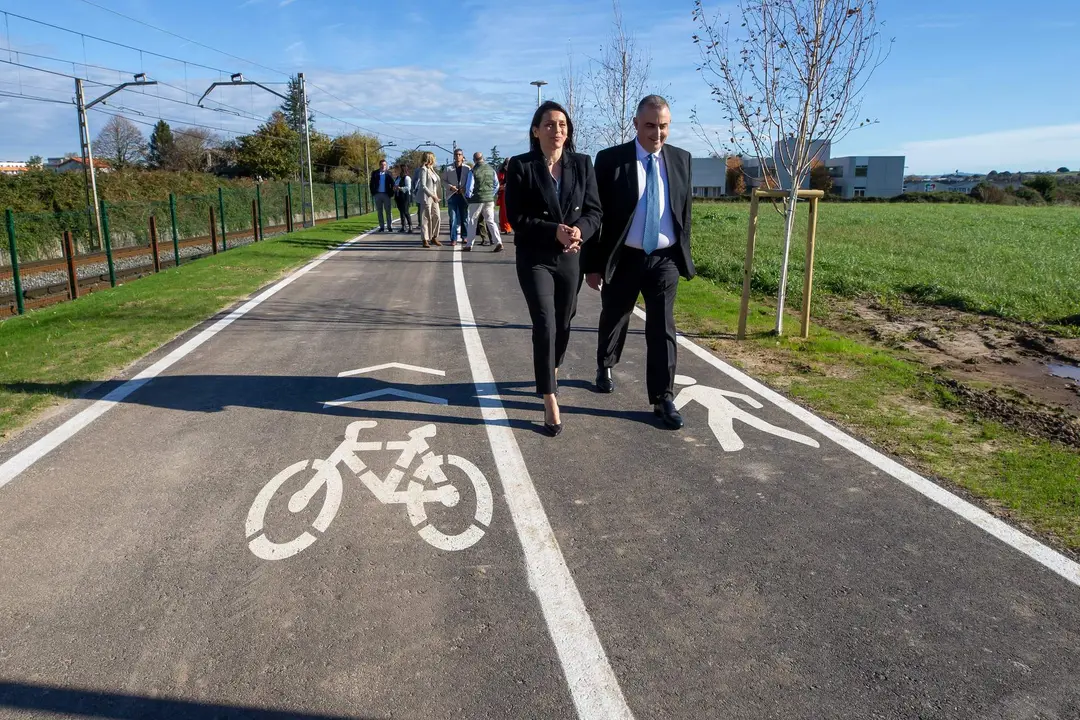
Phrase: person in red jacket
[504,222]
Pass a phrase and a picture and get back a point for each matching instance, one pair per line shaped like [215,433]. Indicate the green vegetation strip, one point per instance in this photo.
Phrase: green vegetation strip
[1014,262]
[51,353]
[886,397]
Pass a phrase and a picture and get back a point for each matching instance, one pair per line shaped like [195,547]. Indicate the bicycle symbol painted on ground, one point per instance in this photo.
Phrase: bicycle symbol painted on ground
[415,497]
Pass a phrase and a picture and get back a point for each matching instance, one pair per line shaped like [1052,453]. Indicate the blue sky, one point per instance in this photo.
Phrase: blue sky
[972,86]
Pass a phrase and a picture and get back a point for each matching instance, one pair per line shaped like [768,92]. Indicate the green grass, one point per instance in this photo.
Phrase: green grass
[885,396]
[1021,263]
[50,353]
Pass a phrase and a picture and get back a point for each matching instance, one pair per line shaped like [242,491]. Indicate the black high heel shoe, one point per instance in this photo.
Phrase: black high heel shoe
[552,429]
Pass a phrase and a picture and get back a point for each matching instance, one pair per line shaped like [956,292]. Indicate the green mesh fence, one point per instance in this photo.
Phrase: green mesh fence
[39,236]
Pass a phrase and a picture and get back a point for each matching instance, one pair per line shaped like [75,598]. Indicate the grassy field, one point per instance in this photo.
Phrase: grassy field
[1015,262]
[51,353]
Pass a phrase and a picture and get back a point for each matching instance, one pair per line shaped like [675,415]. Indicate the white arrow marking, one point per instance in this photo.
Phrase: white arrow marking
[407,395]
[384,366]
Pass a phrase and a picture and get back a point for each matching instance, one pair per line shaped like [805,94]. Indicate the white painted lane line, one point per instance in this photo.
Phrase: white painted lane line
[1042,554]
[15,465]
[593,686]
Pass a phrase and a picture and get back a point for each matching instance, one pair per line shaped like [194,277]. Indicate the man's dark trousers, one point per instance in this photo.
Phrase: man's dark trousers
[656,278]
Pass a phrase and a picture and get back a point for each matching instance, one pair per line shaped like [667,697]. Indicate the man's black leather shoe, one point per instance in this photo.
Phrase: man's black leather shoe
[666,411]
[604,381]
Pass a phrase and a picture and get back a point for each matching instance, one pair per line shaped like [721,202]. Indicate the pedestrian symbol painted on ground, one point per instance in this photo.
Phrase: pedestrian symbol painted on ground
[723,413]
[429,484]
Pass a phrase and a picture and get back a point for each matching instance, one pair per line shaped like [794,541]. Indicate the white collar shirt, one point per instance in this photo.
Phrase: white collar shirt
[636,233]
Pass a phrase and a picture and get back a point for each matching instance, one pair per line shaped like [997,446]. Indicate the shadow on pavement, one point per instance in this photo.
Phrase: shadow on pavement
[97,704]
[306,394]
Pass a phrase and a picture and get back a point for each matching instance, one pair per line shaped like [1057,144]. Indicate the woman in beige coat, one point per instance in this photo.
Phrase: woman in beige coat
[427,196]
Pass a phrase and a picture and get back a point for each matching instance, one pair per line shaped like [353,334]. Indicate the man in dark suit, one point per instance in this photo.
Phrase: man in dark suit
[643,247]
[381,186]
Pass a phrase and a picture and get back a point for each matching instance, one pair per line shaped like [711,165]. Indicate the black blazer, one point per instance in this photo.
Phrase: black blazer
[534,211]
[373,183]
[617,182]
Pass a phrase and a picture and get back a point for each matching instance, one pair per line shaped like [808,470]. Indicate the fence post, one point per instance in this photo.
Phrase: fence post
[254,221]
[175,236]
[14,261]
[345,198]
[258,203]
[154,244]
[73,275]
[221,205]
[360,199]
[108,243]
[288,207]
[337,206]
[213,232]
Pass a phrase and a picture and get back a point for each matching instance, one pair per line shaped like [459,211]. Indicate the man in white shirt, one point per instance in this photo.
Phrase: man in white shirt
[643,247]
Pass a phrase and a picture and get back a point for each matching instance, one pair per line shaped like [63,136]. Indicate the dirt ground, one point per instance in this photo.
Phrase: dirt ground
[1000,369]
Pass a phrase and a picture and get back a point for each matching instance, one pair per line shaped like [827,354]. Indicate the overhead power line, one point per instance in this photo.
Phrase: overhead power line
[117,44]
[363,112]
[185,39]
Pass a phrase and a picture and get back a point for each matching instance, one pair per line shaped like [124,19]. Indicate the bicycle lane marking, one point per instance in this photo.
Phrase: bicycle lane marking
[593,686]
[1037,551]
[15,465]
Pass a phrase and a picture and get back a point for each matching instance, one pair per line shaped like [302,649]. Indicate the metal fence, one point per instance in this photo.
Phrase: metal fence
[51,254]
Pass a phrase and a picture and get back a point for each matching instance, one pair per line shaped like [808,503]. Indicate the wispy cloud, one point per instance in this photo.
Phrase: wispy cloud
[1031,148]
[283,3]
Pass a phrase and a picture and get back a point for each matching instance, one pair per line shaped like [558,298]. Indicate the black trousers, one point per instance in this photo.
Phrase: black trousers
[656,278]
[551,285]
[403,200]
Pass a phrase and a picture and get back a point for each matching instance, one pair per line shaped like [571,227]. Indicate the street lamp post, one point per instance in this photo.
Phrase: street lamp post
[539,84]
[84,141]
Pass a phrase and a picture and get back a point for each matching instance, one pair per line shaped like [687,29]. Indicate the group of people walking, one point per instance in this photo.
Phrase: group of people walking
[470,192]
[623,226]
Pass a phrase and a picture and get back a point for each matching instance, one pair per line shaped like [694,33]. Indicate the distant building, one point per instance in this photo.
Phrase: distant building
[942,185]
[75,164]
[12,167]
[820,150]
[853,176]
[867,176]
[710,177]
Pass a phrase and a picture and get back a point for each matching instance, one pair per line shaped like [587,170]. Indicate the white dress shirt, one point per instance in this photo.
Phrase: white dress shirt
[667,224]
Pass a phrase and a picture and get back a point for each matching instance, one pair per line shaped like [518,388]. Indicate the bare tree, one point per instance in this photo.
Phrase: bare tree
[617,81]
[574,93]
[193,149]
[789,76]
[120,142]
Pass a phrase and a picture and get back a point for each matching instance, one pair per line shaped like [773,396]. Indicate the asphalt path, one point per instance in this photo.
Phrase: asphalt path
[340,504]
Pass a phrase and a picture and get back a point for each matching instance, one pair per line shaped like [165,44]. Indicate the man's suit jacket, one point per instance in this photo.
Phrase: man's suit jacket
[373,183]
[617,181]
[450,178]
[536,213]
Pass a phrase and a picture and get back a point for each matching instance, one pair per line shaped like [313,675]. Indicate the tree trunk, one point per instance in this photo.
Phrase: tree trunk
[789,225]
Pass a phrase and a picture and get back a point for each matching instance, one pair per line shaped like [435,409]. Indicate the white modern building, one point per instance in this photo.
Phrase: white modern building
[867,176]
[853,176]
[710,177]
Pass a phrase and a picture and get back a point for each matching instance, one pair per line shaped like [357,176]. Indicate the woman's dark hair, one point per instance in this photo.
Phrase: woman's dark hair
[538,117]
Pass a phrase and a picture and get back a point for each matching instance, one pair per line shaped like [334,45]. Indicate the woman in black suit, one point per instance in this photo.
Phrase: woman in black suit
[553,204]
